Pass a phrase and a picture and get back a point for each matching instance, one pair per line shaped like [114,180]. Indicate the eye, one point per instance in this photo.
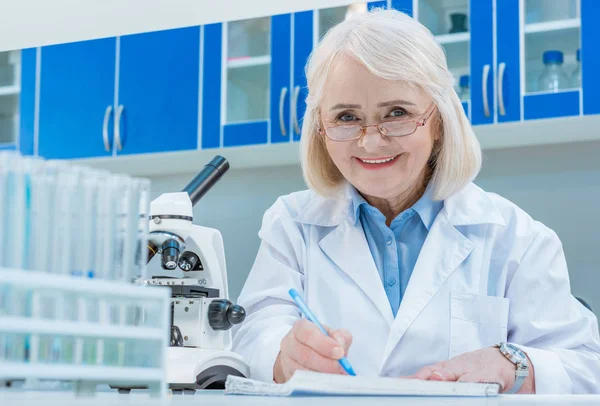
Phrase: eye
[397,113]
[346,118]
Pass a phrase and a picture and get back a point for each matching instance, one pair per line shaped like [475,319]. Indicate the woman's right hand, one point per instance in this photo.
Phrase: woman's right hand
[305,347]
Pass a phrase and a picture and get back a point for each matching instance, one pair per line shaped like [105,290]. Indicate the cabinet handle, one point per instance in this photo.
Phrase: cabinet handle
[486,104]
[118,114]
[295,109]
[105,128]
[281,101]
[501,69]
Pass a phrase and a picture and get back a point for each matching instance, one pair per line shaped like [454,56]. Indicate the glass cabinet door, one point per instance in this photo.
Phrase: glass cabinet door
[256,72]
[551,65]
[10,79]
[327,18]
[247,71]
[449,21]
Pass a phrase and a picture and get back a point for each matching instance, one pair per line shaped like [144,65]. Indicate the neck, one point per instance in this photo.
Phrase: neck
[391,207]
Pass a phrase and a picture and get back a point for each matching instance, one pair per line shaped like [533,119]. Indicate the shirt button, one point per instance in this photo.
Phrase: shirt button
[389,241]
[391,281]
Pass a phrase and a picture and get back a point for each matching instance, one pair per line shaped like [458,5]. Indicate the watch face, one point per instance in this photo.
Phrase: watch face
[515,351]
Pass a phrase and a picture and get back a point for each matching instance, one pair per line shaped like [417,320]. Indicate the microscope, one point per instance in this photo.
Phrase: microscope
[199,355]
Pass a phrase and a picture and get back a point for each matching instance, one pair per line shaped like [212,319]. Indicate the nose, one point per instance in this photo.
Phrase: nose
[373,140]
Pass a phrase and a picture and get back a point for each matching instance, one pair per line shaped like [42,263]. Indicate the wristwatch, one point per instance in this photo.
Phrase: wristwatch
[517,357]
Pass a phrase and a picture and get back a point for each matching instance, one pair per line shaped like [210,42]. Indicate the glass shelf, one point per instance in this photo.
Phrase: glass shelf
[248,69]
[540,11]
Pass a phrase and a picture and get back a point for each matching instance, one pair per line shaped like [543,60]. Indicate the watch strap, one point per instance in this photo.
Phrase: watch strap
[520,376]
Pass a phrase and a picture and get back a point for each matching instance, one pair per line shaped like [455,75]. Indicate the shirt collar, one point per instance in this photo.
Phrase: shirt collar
[426,208]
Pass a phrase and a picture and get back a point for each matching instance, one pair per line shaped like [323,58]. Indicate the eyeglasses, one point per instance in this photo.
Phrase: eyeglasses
[395,128]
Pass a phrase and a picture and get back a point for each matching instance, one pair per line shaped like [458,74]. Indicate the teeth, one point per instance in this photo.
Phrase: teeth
[377,161]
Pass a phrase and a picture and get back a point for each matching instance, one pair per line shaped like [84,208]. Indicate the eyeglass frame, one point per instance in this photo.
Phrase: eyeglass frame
[363,128]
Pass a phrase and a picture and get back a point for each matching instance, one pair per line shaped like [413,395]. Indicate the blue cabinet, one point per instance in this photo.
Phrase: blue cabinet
[247,82]
[253,93]
[77,90]
[158,91]
[243,83]
[129,95]
[507,41]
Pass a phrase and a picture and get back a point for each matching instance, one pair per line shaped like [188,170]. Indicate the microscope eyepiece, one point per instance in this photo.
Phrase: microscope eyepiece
[206,178]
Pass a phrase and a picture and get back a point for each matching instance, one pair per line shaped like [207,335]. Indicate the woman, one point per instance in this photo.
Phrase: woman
[417,271]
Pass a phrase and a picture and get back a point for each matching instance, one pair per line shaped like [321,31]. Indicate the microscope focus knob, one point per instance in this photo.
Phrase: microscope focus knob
[222,314]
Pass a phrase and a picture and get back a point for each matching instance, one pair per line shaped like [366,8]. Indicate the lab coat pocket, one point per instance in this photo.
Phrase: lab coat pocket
[477,321]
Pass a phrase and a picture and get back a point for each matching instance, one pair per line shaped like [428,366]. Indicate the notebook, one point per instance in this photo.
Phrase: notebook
[306,383]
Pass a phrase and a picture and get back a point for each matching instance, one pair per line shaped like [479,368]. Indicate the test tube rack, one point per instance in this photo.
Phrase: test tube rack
[142,348]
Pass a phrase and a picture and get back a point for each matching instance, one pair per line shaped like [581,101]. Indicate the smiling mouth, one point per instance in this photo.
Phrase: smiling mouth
[378,160]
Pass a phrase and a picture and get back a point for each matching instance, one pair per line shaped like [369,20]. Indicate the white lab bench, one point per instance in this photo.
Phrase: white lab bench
[24,398]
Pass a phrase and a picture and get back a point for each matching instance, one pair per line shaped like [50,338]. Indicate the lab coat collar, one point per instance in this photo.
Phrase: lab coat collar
[469,206]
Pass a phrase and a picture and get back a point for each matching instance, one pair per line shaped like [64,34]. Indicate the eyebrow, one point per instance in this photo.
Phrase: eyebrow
[395,102]
[340,106]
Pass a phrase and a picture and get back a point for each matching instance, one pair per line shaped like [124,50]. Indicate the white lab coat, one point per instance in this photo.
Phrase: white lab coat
[487,273]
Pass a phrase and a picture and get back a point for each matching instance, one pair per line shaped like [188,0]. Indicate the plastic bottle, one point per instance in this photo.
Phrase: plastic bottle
[463,91]
[576,75]
[553,78]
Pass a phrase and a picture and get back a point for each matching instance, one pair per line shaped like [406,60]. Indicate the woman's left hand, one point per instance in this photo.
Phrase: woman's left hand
[484,365]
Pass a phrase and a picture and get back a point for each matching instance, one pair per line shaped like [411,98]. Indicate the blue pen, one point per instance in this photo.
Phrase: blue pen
[310,316]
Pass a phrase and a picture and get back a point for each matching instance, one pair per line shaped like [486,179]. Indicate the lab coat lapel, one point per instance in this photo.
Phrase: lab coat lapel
[445,248]
[347,247]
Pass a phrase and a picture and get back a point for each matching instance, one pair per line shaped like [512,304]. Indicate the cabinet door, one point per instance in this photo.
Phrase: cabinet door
[281,71]
[27,101]
[212,130]
[303,45]
[482,61]
[590,58]
[508,34]
[256,76]
[158,91]
[552,35]
[77,90]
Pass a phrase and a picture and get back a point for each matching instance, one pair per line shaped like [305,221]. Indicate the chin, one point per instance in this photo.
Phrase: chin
[380,191]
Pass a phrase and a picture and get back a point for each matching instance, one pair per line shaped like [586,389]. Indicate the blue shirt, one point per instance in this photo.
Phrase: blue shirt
[395,249]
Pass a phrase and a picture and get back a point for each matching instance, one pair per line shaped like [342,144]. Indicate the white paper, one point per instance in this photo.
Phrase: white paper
[305,383]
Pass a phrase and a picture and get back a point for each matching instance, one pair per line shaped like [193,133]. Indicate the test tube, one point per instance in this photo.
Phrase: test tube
[15,211]
[45,207]
[5,291]
[63,251]
[143,187]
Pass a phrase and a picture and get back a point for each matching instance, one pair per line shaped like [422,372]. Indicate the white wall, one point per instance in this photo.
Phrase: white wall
[558,185]
[61,21]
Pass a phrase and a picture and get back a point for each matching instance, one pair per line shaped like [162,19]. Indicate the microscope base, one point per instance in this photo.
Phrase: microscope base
[196,368]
